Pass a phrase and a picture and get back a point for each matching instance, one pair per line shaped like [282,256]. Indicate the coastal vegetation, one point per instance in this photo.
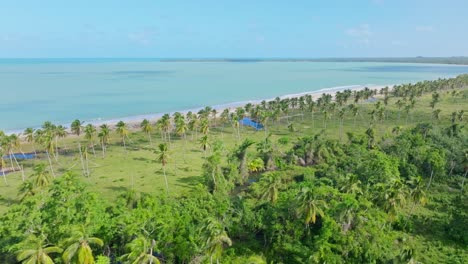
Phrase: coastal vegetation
[456,60]
[368,176]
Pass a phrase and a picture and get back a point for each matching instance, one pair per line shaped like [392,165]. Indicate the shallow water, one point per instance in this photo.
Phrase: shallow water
[35,90]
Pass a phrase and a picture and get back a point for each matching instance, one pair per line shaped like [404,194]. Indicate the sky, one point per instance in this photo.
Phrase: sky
[232,29]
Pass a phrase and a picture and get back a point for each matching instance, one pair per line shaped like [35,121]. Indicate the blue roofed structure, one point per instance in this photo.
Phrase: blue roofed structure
[249,122]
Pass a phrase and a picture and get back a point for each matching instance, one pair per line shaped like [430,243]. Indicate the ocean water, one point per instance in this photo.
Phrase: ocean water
[60,90]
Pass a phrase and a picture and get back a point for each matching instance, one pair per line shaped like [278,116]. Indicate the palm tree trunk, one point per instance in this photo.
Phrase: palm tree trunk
[214,180]
[56,149]
[430,180]
[165,179]
[313,120]
[34,149]
[4,176]
[464,178]
[87,164]
[50,163]
[150,140]
[11,161]
[452,163]
[341,129]
[16,161]
[23,177]
[94,151]
[81,159]
[103,149]
[185,146]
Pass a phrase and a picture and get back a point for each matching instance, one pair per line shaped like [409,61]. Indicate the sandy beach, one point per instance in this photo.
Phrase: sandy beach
[134,121]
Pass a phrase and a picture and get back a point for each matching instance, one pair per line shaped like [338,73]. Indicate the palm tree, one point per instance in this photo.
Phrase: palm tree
[163,156]
[9,143]
[29,136]
[465,167]
[26,189]
[59,132]
[122,130]
[309,206]
[436,114]
[204,126]
[355,112]
[204,143]
[193,125]
[77,127]
[269,185]
[3,165]
[224,119]
[46,139]
[392,195]
[166,126]
[215,238]
[240,155]
[400,104]
[90,135]
[78,249]
[435,100]
[84,157]
[35,251]
[141,251]
[417,193]
[103,136]
[460,115]
[397,130]
[235,124]
[371,137]
[326,116]
[341,115]
[41,177]
[147,128]
[351,185]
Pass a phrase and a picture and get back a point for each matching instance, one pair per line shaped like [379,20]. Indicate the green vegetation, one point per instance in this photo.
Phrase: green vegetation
[460,60]
[359,177]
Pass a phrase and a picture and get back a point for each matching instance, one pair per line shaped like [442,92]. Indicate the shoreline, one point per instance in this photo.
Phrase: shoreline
[134,121]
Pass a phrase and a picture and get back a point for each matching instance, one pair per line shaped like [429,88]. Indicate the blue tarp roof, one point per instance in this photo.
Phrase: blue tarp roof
[249,122]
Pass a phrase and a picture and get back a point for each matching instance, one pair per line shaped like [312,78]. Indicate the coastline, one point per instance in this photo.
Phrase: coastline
[133,122]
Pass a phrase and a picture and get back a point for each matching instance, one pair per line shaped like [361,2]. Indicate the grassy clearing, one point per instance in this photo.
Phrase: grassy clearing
[136,167]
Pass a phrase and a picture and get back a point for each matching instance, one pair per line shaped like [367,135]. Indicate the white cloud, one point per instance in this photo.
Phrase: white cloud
[143,37]
[424,28]
[360,31]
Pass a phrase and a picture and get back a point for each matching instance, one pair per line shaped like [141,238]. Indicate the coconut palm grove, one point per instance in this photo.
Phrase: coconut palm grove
[363,176]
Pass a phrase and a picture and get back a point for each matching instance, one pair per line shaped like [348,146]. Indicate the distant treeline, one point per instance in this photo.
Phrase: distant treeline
[438,60]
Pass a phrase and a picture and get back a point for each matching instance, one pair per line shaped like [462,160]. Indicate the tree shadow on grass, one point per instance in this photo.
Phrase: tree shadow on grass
[118,188]
[190,180]
[144,159]
[7,201]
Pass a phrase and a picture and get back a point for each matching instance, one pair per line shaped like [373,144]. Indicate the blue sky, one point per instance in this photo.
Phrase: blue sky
[209,28]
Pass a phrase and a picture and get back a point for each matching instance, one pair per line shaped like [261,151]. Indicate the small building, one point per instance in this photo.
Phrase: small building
[246,121]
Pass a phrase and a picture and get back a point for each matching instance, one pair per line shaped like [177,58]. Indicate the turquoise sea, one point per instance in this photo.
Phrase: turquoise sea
[60,90]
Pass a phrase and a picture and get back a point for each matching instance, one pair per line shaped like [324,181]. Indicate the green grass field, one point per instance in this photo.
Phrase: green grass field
[137,167]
